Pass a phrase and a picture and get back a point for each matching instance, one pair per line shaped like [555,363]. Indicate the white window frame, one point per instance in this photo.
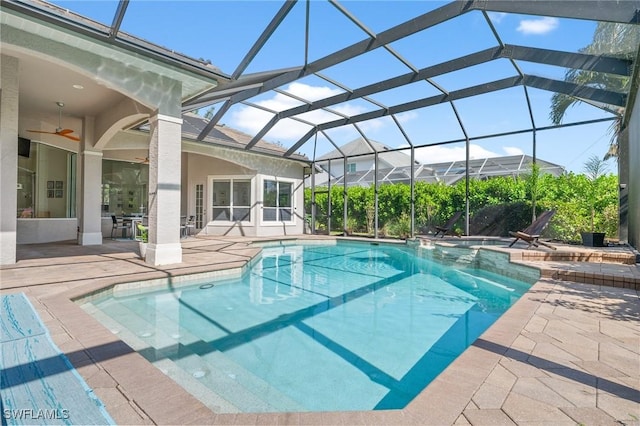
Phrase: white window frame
[293,183]
[231,178]
[351,166]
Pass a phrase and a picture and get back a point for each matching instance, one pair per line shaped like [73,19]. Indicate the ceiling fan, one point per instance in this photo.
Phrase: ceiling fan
[59,131]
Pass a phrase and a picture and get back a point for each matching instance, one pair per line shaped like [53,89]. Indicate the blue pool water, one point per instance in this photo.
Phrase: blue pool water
[314,327]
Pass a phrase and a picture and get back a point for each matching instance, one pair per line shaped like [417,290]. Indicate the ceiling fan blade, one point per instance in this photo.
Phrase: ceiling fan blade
[73,138]
[66,133]
[41,131]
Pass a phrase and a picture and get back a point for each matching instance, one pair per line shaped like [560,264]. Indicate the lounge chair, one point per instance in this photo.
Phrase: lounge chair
[531,234]
[444,229]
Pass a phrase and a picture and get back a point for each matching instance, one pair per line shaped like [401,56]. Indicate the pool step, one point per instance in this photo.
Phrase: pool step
[487,281]
[458,255]
[221,384]
[241,387]
[166,365]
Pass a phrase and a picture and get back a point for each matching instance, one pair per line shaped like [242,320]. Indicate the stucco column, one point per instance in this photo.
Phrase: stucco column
[8,158]
[164,190]
[89,187]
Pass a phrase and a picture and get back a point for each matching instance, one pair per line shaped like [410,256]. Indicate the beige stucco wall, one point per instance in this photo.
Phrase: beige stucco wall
[8,157]
[32,231]
[221,162]
[634,175]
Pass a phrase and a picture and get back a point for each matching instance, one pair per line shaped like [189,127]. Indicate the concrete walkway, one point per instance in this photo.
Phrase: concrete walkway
[566,353]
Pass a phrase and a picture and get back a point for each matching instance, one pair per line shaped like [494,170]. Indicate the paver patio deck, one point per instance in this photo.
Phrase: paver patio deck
[566,353]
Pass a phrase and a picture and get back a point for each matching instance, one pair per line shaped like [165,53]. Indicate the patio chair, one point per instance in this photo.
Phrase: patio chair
[189,225]
[448,225]
[118,225]
[531,234]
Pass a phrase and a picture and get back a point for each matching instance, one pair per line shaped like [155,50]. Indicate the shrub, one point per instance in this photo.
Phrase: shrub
[144,233]
[497,205]
[400,227]
[498,220]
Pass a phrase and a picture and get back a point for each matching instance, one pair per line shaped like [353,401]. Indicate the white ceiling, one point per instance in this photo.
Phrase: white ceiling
[43,83]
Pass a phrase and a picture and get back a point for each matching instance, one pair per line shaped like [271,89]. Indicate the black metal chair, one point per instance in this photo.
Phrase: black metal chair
[118,225]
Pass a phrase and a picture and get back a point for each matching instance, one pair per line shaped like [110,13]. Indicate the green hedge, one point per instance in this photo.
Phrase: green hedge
[497,206]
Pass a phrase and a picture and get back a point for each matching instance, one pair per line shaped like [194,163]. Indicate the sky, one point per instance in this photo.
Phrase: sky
[224,31]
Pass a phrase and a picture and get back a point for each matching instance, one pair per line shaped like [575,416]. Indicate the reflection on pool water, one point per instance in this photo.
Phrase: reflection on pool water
[313,327]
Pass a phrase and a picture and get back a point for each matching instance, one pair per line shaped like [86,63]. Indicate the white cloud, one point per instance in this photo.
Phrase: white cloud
[372,125]
[538,26]
[443,154]
[248,119]
[405,117]
[286,131]
[512,150]
[496,17]
[252,120]
[311,93]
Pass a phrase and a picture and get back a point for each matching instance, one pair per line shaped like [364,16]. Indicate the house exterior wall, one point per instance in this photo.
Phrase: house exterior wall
[633,186]
[197,168]
[8,157]
[184,185]
[33,231]
[363,164]
[221,163]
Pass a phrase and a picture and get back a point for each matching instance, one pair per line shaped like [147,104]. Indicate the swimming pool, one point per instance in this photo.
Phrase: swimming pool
[313,327]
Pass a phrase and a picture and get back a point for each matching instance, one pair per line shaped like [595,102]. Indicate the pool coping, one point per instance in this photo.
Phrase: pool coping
[96,352]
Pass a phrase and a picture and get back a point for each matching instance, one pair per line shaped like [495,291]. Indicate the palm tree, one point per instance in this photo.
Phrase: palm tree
[611,39]
[593,169]
[208,114]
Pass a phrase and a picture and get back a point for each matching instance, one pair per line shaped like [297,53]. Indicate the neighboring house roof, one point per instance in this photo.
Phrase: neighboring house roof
[447,173]
[360,146]
[483,168]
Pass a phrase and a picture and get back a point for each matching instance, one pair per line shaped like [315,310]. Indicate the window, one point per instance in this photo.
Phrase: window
[231,200]
[351,167]
[46,182]
[277,201]
[125,188]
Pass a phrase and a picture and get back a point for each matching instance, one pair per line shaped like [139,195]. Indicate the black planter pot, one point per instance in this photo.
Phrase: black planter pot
[592,239]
